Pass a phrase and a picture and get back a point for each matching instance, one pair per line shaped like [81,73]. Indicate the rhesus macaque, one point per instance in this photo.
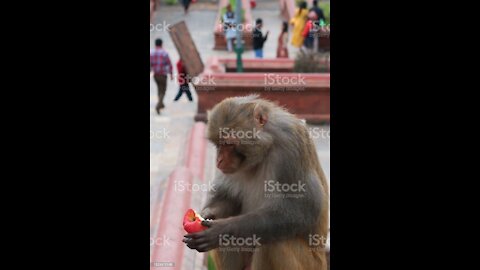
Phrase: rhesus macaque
[247,200]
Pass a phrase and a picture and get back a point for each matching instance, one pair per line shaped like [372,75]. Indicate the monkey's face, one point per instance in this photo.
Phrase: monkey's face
[229,160]
[236,128]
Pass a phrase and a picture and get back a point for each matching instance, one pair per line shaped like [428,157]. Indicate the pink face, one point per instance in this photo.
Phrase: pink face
[228,160]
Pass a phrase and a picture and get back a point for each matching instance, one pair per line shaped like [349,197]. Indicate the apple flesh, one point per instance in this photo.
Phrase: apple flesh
[192,222]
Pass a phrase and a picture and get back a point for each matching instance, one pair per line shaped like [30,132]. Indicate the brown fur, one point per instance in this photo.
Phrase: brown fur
[285,149]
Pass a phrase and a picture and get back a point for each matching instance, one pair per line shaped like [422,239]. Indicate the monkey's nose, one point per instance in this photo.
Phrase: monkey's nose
[219,162]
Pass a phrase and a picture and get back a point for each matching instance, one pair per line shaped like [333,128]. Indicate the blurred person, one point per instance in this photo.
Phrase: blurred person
[229,27]
[318,24]
[186,4]
[319,12]
[161,66]
[183,81]
[309,32]
[298,22]
[282,49]
[258,38]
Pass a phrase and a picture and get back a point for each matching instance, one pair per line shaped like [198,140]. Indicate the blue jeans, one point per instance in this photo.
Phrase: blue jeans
[259,53]
[184,88]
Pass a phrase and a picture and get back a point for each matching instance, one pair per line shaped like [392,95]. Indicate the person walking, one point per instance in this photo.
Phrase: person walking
[161,66]
[282,49]
[309,32]
[186,5]
[258,38]
[320,14]
[298,22]
[318,24]
[183,82]
[229,27]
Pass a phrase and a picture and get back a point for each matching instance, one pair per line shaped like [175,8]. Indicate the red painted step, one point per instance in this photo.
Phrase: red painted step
[168,247]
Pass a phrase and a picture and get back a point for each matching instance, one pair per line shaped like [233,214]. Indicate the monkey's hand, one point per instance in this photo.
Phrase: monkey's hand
[208,213]
[208,239]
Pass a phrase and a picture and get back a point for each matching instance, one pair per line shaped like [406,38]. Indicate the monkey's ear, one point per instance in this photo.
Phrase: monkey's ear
[260,114]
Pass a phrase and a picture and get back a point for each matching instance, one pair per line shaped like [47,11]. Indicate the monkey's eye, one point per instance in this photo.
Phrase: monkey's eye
[225,143]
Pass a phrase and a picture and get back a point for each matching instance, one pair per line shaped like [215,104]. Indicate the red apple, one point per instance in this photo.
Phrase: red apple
[192,222]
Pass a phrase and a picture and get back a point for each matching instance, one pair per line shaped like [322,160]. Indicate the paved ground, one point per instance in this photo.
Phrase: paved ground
[169,130]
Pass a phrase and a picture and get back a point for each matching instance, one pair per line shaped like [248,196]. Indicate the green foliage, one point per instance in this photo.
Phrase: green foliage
[233,4]
[171,2]
[325,6]
[211,264]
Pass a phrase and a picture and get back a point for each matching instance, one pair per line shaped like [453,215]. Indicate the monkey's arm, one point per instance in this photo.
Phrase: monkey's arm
[279,219]
[267,224]
[220,205]
[282,217]
[274,223]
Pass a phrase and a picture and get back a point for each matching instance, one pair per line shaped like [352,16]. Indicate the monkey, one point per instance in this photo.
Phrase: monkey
[278,152]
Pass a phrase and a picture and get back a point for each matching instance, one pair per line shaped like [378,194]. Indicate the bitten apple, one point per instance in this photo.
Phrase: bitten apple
[192,222]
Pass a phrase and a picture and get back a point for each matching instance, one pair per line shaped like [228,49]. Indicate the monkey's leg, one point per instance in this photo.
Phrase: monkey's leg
[289,254]
[227,260]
